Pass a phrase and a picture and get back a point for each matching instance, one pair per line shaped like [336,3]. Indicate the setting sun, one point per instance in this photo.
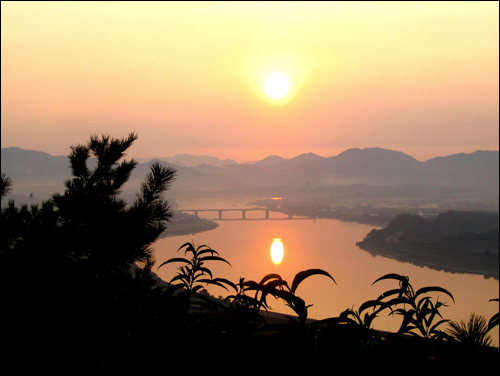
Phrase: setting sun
[277,85]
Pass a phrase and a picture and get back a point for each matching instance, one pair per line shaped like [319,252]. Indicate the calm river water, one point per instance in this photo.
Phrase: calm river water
[330,245]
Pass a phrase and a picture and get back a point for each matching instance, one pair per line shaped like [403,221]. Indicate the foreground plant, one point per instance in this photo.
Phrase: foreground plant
[273,284]
[193,274]
[472,332]
[419,312]
[494,320]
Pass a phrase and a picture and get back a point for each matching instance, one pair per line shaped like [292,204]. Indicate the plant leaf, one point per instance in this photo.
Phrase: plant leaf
[389,293]
[227,282]
[391,276]
[175,259]
[425,290]
[369,304]
[214,258]
[270,276]
[299,277]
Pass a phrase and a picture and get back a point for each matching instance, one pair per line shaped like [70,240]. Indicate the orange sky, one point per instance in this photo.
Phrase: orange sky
[418,77]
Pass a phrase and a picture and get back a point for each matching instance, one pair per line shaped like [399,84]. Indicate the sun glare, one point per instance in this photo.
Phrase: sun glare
[277,85]
[277,251]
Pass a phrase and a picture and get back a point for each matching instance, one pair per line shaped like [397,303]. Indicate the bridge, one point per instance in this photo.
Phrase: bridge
[243,213]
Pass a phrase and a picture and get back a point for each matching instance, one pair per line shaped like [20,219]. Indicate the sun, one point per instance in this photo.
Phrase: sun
[277,85]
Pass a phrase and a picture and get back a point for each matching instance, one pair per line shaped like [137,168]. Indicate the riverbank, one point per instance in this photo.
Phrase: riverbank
[186,224]
[484,264]
[455,242]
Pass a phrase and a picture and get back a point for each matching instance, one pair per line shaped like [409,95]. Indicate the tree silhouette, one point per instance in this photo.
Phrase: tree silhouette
[91,212]
[5,185]
[77,267]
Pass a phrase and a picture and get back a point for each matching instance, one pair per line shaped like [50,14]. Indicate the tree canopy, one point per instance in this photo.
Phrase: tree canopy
[75,266]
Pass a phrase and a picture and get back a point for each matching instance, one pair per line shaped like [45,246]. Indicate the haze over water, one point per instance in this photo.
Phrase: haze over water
[329,245]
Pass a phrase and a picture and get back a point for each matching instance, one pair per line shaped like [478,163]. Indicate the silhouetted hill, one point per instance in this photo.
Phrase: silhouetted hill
[272,160]
[377,172]
[381,166]
[187,178]
[411,226]
[457,241]
[34,172]
[300,160]
[20,163]
[189,160]
[467,221]
[368,166]
[478,168]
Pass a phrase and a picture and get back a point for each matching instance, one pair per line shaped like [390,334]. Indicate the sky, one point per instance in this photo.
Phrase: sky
[188,77]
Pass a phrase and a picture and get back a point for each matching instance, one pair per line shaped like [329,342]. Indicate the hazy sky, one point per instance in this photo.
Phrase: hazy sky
[418,77]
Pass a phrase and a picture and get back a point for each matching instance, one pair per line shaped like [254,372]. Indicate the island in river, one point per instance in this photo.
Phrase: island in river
[456,241]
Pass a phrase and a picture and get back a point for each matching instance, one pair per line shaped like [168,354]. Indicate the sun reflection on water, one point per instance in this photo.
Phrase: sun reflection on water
[277,251]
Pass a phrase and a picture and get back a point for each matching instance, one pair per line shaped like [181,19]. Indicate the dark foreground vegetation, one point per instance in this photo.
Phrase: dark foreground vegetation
[78,290]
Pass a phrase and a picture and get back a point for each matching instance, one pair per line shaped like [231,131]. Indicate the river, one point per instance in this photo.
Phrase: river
[330,245]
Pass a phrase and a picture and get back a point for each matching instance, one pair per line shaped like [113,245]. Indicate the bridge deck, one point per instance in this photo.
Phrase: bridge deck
[243,213]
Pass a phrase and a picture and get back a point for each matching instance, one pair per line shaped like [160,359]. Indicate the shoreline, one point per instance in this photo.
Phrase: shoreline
[188,227]
[462,263]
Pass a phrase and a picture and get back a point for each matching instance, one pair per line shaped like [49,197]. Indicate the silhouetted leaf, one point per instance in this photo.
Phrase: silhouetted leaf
[213,282]
[214,258]
[425,290]
[206,270]
[369,304]
[180,277]
[227,282]
[391,276]
[389,293]
[433,328]
[270,276]
[188,245]
[178,259]
[299,277]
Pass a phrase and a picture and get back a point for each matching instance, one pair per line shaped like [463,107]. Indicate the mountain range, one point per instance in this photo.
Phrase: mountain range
[476,173]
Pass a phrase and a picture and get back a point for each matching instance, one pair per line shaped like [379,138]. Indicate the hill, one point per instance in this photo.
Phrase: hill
[370,173]
[456,241]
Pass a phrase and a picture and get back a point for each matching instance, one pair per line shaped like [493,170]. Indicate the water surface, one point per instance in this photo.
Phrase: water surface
[330,245]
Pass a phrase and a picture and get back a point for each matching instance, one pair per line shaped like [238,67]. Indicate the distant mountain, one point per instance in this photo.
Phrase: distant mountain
[189,160]
[369,165]
[478,168]
[33,164]
[272,160]
[383,166]
[474,174]
[277,161]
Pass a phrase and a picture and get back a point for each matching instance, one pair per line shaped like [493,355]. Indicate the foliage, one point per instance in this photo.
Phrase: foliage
[419,312]
[5,185]
[191,275]
[273,284]
[494,319]
[472,332]
[109,232]
[85,254]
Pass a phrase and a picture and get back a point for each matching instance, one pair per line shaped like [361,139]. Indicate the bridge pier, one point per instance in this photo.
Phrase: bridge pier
[267,213]
[220,214]
[243,214]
